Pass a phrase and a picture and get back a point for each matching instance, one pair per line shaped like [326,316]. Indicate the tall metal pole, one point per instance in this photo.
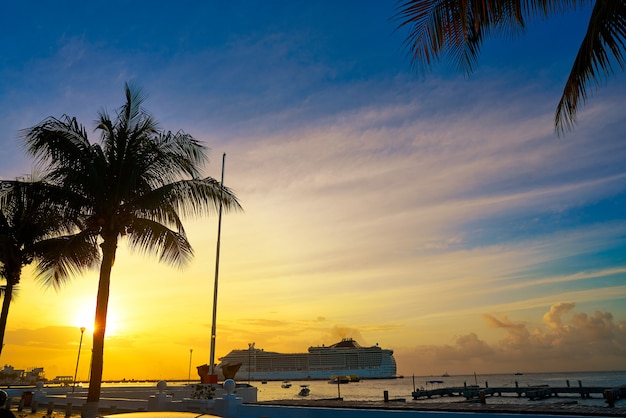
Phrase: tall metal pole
[80,344]
[189,374]
[250,346]
[217,270]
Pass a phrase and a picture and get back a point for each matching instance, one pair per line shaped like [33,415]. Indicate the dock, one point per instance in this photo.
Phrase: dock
[462,407]
[611,395]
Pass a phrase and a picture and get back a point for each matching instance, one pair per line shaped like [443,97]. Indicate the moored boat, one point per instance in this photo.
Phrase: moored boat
[304,390]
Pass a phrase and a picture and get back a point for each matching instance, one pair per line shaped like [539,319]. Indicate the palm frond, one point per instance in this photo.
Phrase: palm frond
[188,198]
[56,142]
[61,258]
[147,236]
[458,28]
[603,44]
[34,214]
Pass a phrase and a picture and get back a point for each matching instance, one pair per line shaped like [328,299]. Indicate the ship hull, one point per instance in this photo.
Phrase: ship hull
[243,375]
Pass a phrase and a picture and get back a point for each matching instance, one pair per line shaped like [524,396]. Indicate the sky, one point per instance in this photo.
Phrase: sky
[438,215]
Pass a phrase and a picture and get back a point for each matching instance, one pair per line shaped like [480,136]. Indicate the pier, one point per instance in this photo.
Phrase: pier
[531,392]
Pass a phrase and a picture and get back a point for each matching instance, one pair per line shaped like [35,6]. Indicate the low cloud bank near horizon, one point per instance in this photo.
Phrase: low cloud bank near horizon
[565,341]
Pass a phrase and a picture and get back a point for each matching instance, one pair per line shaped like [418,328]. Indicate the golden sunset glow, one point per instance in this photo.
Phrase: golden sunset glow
[85,318]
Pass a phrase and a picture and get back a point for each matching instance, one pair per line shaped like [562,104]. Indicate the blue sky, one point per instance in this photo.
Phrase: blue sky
[438,215]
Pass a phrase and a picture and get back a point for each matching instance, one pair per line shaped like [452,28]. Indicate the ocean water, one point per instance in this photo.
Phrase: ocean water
[402,388]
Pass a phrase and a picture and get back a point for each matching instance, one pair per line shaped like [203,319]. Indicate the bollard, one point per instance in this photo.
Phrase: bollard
[50,408]
[481,396]
[608,395]
[486,384]
[68,409]
[516,384]
[386,395]
[567,382]
[580,383]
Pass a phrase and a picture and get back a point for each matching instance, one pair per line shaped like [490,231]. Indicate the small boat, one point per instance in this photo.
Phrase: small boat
[304,390]
[445,375]
[518,374]
[264,382]
[286,384]
[339,380]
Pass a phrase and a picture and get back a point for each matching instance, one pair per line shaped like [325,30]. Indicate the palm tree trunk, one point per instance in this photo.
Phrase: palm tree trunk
[6,302]
[90,409]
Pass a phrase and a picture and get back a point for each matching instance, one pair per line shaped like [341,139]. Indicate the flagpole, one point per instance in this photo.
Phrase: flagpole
[212,374]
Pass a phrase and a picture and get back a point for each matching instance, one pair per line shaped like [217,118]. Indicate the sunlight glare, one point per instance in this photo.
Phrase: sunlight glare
[85,318]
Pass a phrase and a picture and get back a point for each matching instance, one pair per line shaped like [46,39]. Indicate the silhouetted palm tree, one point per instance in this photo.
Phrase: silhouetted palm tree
[136,183]
[459,27]
[31,230]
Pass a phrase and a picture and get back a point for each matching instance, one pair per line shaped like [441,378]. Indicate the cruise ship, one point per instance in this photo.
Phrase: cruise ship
[345,358]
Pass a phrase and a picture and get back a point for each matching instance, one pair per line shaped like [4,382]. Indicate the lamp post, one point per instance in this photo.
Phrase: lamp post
[80,344]
[189,374]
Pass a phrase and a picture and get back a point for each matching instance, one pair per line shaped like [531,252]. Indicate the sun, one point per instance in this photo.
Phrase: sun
[85,314]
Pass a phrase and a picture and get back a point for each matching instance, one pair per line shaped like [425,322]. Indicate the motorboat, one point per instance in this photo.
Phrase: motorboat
[304,390]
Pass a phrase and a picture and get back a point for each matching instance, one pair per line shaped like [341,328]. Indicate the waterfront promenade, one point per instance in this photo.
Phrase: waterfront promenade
[297,407]
[228,404]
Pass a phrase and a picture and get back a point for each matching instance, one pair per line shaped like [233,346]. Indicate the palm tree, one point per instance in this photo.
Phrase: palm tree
[136,183]
[31,229]
[458,27]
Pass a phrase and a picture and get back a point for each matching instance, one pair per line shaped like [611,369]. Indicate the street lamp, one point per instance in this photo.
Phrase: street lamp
[80,344]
